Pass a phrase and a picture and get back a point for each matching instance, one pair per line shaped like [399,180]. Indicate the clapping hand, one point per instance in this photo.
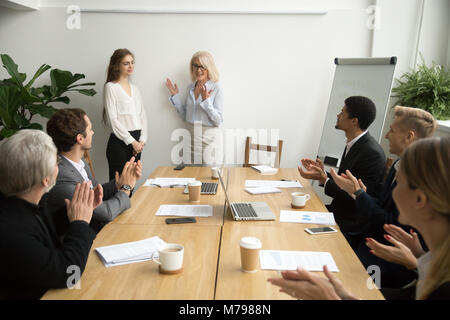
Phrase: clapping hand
[411,239]
[82,203]
[98,195]
[313,170]
[347,182]
[172,88]
[204,92]
[399,253]
[302,284]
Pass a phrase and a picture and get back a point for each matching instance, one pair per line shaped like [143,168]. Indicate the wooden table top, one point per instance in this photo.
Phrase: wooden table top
[207,275]
[147,200]
[142,280]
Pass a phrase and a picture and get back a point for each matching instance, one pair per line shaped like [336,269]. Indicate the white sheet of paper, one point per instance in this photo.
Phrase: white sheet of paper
[307,217]
[262,190]
[290,260]
[185,210]
[168,182]
[130,252]
[265,169]
[272,183]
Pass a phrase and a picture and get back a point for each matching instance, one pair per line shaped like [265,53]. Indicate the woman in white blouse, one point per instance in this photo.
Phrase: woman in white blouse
[124,113]
[202,108]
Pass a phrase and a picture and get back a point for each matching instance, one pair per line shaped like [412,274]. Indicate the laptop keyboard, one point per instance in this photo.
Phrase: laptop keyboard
[245,210]
[209,188]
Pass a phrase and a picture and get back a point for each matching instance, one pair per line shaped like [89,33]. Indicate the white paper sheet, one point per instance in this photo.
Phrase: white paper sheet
[185,210]
[168,182]
[290,260]
[272,183]
[262,190]
[265,169]
[307,217]
[130,252]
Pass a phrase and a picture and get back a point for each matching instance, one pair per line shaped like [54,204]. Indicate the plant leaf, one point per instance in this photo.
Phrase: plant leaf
[10,101]
[87,92]
[40,71]
[12,69]
[42,109]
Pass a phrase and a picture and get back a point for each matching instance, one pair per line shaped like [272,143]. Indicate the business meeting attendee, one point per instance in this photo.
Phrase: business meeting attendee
[33,259]
[423,183]
[362,155]
[123,112]
[71,131]
[408,126]
[202,108]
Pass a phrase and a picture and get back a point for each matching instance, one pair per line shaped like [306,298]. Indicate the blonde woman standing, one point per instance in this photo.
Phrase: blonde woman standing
[124,113]
[202,108]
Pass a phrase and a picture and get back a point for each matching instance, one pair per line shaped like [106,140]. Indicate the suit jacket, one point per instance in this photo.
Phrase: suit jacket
[33,259]
[114,202]
[366,160]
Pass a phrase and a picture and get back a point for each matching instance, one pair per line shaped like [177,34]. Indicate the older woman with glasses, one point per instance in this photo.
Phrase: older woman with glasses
[202,108]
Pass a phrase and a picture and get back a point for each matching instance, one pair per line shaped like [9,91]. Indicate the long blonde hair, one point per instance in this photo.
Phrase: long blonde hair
[425,166]
[206,60]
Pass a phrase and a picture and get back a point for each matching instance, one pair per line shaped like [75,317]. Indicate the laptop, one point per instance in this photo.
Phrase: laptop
[207,188]
[247,210]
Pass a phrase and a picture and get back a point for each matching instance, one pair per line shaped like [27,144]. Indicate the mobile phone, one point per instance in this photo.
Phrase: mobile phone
[180,220]
[320,230]
[180,167]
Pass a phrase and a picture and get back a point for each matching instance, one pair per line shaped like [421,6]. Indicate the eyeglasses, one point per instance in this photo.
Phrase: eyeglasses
[196,66]
[58,160]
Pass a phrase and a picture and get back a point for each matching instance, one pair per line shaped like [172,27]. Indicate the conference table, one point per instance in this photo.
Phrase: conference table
[211,266]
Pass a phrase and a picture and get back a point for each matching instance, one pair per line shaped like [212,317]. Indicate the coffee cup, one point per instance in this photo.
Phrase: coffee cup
[194,188]
[299,199]
[250,247]
[215,172]
[170,258]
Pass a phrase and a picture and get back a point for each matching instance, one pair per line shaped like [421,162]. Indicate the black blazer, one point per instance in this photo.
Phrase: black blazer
[365,160]
[33,259]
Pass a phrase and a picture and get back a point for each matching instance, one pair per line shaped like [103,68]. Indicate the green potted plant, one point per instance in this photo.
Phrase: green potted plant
[20,101]
[427,88]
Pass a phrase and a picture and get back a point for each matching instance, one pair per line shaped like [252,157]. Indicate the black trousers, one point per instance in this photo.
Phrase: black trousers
[118,153]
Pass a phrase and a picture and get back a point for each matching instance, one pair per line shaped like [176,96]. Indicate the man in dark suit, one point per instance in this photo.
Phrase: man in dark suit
[408,126]
[71,130]
[362,154]
[33,259]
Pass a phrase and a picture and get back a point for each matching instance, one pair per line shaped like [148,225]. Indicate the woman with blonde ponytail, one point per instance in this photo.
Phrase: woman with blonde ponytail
[422,196]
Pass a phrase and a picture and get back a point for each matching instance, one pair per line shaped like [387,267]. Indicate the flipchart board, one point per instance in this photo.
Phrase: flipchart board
[369,77]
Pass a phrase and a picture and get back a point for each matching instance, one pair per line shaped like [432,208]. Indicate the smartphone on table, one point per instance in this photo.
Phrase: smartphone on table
[180,220]
[320,230]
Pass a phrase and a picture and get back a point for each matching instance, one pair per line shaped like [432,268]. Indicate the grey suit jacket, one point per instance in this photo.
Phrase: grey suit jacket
[114,201]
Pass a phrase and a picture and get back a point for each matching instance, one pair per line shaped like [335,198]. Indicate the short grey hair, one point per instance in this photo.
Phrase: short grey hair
[28,157]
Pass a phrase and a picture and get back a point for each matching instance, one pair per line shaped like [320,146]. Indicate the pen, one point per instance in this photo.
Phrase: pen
[288,180]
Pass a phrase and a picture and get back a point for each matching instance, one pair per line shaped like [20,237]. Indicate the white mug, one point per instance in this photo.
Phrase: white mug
[299,199]
[215,172]
[170,258]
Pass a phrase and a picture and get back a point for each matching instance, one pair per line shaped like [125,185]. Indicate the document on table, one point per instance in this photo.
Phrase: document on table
[262,190]
[265,169]
[290,260]
[168,182]
[185,210]
[273,183]
[307,217]
[130,252]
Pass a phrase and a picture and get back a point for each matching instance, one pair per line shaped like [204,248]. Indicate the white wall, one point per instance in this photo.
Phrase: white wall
[276,70]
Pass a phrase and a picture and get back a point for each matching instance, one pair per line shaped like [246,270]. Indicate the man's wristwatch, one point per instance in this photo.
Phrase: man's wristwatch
[358,192]
[126,187]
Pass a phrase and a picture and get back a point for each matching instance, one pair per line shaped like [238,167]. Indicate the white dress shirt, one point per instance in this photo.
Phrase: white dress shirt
[351,143]
[80,168]
[209,112]
[125,113]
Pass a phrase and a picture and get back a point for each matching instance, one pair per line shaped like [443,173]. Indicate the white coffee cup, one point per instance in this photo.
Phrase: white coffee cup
[299,199]
[250,247]
[215,172]
[170,258]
